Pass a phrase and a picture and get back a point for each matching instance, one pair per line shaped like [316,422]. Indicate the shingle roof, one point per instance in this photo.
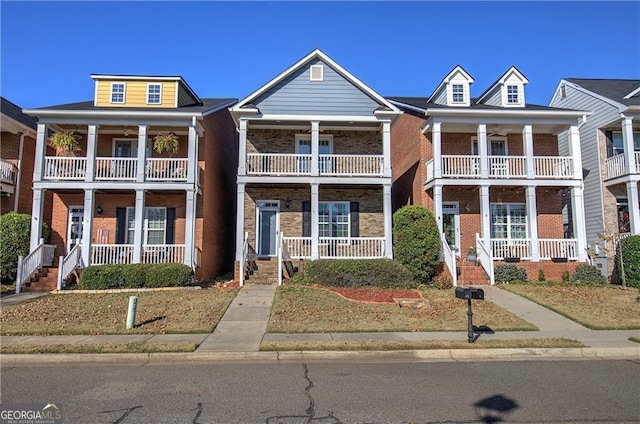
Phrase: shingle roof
[421,102]
[207,104]
[15,112]
[614,89]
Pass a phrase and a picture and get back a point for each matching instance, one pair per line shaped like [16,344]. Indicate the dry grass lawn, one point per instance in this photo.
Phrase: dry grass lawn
[303,309]
[188,311]
[594,306]
[97,348]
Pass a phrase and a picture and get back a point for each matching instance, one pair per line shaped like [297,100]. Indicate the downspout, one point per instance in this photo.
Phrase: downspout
[18,173]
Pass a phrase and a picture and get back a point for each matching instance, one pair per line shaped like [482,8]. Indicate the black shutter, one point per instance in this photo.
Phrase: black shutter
[609,136]
[355,219]
[171,226]
[306,219]
[121,225]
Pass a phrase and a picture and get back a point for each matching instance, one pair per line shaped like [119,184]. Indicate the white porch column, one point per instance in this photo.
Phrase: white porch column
[532,219]
[315,233]
[92,138]
[527,139]
[436,144]
[192,155]
[629,150]
[240,221]
[36,218]
[485,217]
[386,148]
[575,152]
[388,221]
[141,165]
[242,151]
[634,207]
[579,224]
[482,151]
[41,148]
[139,227]
[190,228]
[87,226]
[437,206]
[315,148]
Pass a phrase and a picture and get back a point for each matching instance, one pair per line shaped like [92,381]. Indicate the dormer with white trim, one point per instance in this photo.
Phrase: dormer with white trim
[454,90]
[507,91]
[143,91]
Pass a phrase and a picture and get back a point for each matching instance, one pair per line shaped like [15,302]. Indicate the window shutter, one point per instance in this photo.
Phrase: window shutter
[355,219]
[609,136]
[171,226]
[121,225]
[306,219]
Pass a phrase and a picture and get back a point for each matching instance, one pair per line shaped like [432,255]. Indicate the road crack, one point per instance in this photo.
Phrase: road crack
[198,412]
[124,416]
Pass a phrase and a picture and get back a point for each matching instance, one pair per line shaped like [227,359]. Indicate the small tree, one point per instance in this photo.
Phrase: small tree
[15,229]
[627,261]
[416,242]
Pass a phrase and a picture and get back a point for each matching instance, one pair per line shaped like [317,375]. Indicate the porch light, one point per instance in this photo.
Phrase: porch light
[99,210]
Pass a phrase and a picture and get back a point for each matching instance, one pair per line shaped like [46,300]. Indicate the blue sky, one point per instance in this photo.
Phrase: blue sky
[229,49]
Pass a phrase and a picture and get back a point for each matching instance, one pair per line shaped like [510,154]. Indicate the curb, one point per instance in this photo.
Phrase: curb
[436,355]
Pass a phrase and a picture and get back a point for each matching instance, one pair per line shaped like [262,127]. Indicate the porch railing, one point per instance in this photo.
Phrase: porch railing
[485,257]
[167,169]
[41,256]
[510,248]
[278,164]
[8,172]
[553,166]
[460,166]
[558,248]
[616,240]
[351,247]
[64,168]
[66,264]
[449,259]
[360,165]
[244,257]
[162,254]
[507,166]
[102,254]
[468,166]
[116,169]
[298,247]
[638,162]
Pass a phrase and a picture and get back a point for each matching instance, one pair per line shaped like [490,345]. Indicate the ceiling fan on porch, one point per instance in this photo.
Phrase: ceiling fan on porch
[497,131]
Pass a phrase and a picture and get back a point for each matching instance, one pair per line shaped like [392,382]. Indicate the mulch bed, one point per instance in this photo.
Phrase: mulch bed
[372,294]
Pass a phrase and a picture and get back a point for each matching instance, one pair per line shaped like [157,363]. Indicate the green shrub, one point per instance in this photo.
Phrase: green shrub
[15,230]
[588,274]
[102,277]
[416,242]
[386,273]
[630,248]
[443,282]
[509,273]
[566,277]
[541,276]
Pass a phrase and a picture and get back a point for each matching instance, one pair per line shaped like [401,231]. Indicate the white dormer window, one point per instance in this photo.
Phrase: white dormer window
[457,91]
[154,94]
[316,73]
[512,95]
[117,92]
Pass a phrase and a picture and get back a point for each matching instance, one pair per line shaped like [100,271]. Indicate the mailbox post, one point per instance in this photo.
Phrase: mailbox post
[469,293]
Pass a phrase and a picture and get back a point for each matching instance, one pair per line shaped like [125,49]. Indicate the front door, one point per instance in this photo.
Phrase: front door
[74,226]
[451,225]
[267,227]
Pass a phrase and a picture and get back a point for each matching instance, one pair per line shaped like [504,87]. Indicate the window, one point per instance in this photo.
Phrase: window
[618,142]
[155,225]
[333,219]
[154,94]
[624,225]
[509,221]
[325,147]
[316,73]
[458,93]
[117,92]
[512,95]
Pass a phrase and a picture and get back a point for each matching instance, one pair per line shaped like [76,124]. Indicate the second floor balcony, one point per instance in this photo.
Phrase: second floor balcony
[275,164]
[8,174]
[616,166]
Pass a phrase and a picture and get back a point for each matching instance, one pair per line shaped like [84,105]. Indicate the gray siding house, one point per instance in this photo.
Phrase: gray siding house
[610,148]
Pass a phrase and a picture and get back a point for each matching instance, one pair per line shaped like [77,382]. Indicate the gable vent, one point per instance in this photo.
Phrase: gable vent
[316,73]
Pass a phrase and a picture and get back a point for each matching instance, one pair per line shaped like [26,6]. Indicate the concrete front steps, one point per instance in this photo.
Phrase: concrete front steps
[265,271]
[43,280]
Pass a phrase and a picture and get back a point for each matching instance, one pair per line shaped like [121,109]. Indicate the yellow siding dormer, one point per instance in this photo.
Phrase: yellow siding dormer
[142,91]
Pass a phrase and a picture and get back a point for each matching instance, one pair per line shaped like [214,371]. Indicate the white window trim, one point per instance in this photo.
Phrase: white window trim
[261,204]
[517,87]
[453,94]
[311,69]
[508,223]
[159,94]
[134,146]
[329,202]
[474,140]
[145,225]
[124,93]
[307,137]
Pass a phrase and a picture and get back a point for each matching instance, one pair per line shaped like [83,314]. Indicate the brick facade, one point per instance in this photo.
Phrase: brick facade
[284,141]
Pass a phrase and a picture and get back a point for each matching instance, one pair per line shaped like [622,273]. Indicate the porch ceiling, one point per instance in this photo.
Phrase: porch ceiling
[457,127]
[324,125]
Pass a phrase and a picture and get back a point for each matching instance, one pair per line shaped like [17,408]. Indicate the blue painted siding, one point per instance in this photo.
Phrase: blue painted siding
[297,95]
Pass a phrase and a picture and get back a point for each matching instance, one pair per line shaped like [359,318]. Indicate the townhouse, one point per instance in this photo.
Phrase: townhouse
[122,198]
[610,151]
[490,169]
[314,170]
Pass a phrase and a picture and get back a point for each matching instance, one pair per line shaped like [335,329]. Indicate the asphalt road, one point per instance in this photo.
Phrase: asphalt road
[518,392]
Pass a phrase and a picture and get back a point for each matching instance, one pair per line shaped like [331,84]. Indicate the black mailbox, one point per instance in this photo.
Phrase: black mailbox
[469,293]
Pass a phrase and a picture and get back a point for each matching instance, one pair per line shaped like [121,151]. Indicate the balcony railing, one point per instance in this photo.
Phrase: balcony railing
[328,165]
[336,247]
[558,248]
[167,169]
[116,169]
[8,172]
[510,248]
[102,254]
[617,166]
[64,168]
[469,166]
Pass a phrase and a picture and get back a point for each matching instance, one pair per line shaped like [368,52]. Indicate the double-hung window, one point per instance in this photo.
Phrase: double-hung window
[117,92]
[618,142]
[457,91]
[155,226]
[333,220]
[154,92]
[509,221]
[512,95]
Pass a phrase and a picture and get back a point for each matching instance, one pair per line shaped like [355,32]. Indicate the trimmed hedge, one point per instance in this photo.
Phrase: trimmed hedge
[630,247]
[384,273]
[15,230]
[102,277]
[416,241]
[509,273]
[588,274]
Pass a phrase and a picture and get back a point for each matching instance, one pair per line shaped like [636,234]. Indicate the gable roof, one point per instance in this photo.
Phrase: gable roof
[421,104]
[445,80]
[14,112]
[614,89]
[501,80]
[315,54]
